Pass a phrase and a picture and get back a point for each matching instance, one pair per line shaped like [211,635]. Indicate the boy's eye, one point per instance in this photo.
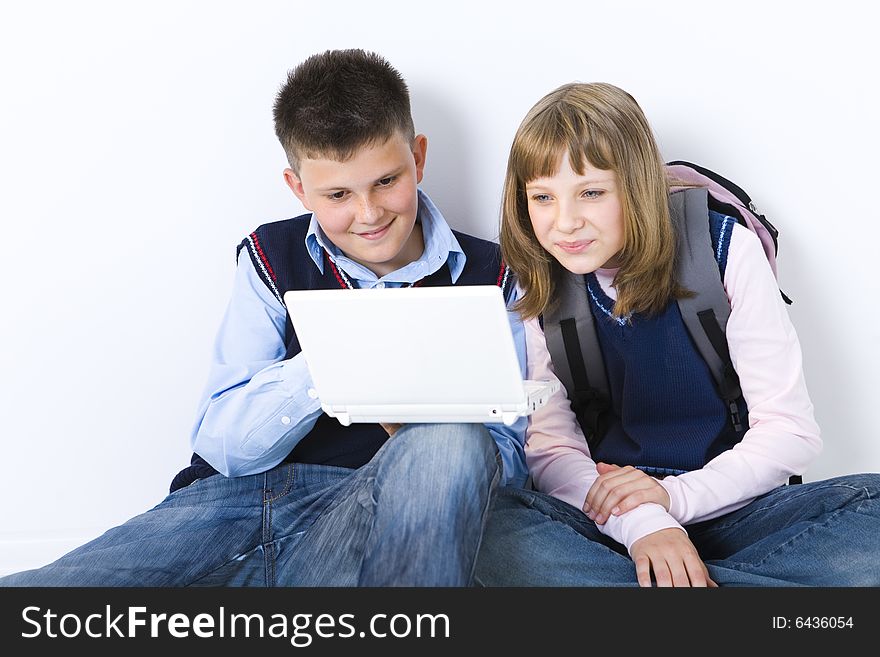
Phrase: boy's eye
[336,196]
[384,182]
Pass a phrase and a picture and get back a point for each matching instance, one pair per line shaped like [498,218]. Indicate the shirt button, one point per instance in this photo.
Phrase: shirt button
[312,393]
[285,420]
[380,284]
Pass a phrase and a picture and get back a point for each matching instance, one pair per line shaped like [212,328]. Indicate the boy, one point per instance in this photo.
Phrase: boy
[299,498]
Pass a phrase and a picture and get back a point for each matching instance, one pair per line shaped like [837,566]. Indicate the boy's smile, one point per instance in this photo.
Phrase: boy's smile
[367,205]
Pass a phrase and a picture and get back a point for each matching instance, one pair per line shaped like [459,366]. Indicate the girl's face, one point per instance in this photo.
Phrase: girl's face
[578,218]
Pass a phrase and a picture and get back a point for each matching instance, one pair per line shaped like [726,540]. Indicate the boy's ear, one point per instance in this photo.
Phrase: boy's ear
[293,181]
[420,150]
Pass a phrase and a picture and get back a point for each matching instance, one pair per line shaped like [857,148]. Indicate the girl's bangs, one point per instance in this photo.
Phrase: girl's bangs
[540,144]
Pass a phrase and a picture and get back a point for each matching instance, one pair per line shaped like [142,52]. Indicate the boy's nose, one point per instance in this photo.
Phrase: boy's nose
[369,212]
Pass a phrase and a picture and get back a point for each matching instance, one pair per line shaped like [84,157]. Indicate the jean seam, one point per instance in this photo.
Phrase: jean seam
[266,539]
[268,543]
[484,517]
[739,565]
[288,484]
[769,507]
[560,512]
[867,499]
[368,534]
[195,580]
[810,528]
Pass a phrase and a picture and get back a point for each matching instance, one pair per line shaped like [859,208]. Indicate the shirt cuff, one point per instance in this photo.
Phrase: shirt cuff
[296,380]
[673,488]
[643,520]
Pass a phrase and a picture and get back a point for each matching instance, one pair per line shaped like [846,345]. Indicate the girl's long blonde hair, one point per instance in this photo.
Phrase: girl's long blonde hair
[603,125]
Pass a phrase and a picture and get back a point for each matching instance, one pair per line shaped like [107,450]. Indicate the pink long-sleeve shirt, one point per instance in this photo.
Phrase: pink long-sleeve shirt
[782,439]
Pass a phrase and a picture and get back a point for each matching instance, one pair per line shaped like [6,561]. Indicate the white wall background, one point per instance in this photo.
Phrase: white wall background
[138,149]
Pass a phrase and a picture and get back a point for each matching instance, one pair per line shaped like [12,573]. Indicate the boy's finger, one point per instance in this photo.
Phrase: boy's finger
[390,428]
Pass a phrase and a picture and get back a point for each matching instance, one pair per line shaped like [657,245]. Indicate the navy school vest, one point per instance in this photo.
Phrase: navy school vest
[280,257]
[666,415]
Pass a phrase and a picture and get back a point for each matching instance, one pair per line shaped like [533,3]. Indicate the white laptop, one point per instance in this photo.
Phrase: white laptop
[432,354]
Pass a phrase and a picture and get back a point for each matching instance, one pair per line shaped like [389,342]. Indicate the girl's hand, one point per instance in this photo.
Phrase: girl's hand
[618,490]
[673,559]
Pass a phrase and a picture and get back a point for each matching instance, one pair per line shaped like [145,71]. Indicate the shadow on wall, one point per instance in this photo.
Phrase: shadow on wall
[450,172]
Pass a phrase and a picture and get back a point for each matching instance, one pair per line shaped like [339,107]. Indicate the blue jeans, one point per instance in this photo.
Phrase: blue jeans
[413,516]
[824,533]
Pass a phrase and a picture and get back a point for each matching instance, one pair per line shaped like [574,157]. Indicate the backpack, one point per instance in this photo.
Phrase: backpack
[571,334]
[729,198]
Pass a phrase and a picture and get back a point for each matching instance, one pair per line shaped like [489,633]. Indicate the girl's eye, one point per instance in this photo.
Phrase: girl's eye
[593,193]
[541,198]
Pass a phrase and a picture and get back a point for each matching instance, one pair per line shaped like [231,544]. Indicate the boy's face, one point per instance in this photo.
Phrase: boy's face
[578,218]
[367,205]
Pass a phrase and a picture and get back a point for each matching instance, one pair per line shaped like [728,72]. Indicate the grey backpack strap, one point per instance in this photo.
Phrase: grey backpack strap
[705,314]
[570,332]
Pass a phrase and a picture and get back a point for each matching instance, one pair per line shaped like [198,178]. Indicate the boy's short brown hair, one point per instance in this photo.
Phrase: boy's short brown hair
[338,101]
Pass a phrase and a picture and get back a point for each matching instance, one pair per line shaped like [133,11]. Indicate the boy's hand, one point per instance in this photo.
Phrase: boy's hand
[673,559]
[618,490]
[391,429]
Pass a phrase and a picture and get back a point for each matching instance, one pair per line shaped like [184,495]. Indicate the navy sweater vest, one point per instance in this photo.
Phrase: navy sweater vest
[666,415]
[280,257]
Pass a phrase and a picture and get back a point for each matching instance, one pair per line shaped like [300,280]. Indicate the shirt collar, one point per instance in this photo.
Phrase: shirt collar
[440,247]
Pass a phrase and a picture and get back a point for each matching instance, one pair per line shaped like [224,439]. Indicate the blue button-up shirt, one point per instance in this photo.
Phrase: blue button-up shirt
[256,406]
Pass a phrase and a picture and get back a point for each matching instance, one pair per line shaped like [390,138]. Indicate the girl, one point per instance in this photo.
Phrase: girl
[677,491]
